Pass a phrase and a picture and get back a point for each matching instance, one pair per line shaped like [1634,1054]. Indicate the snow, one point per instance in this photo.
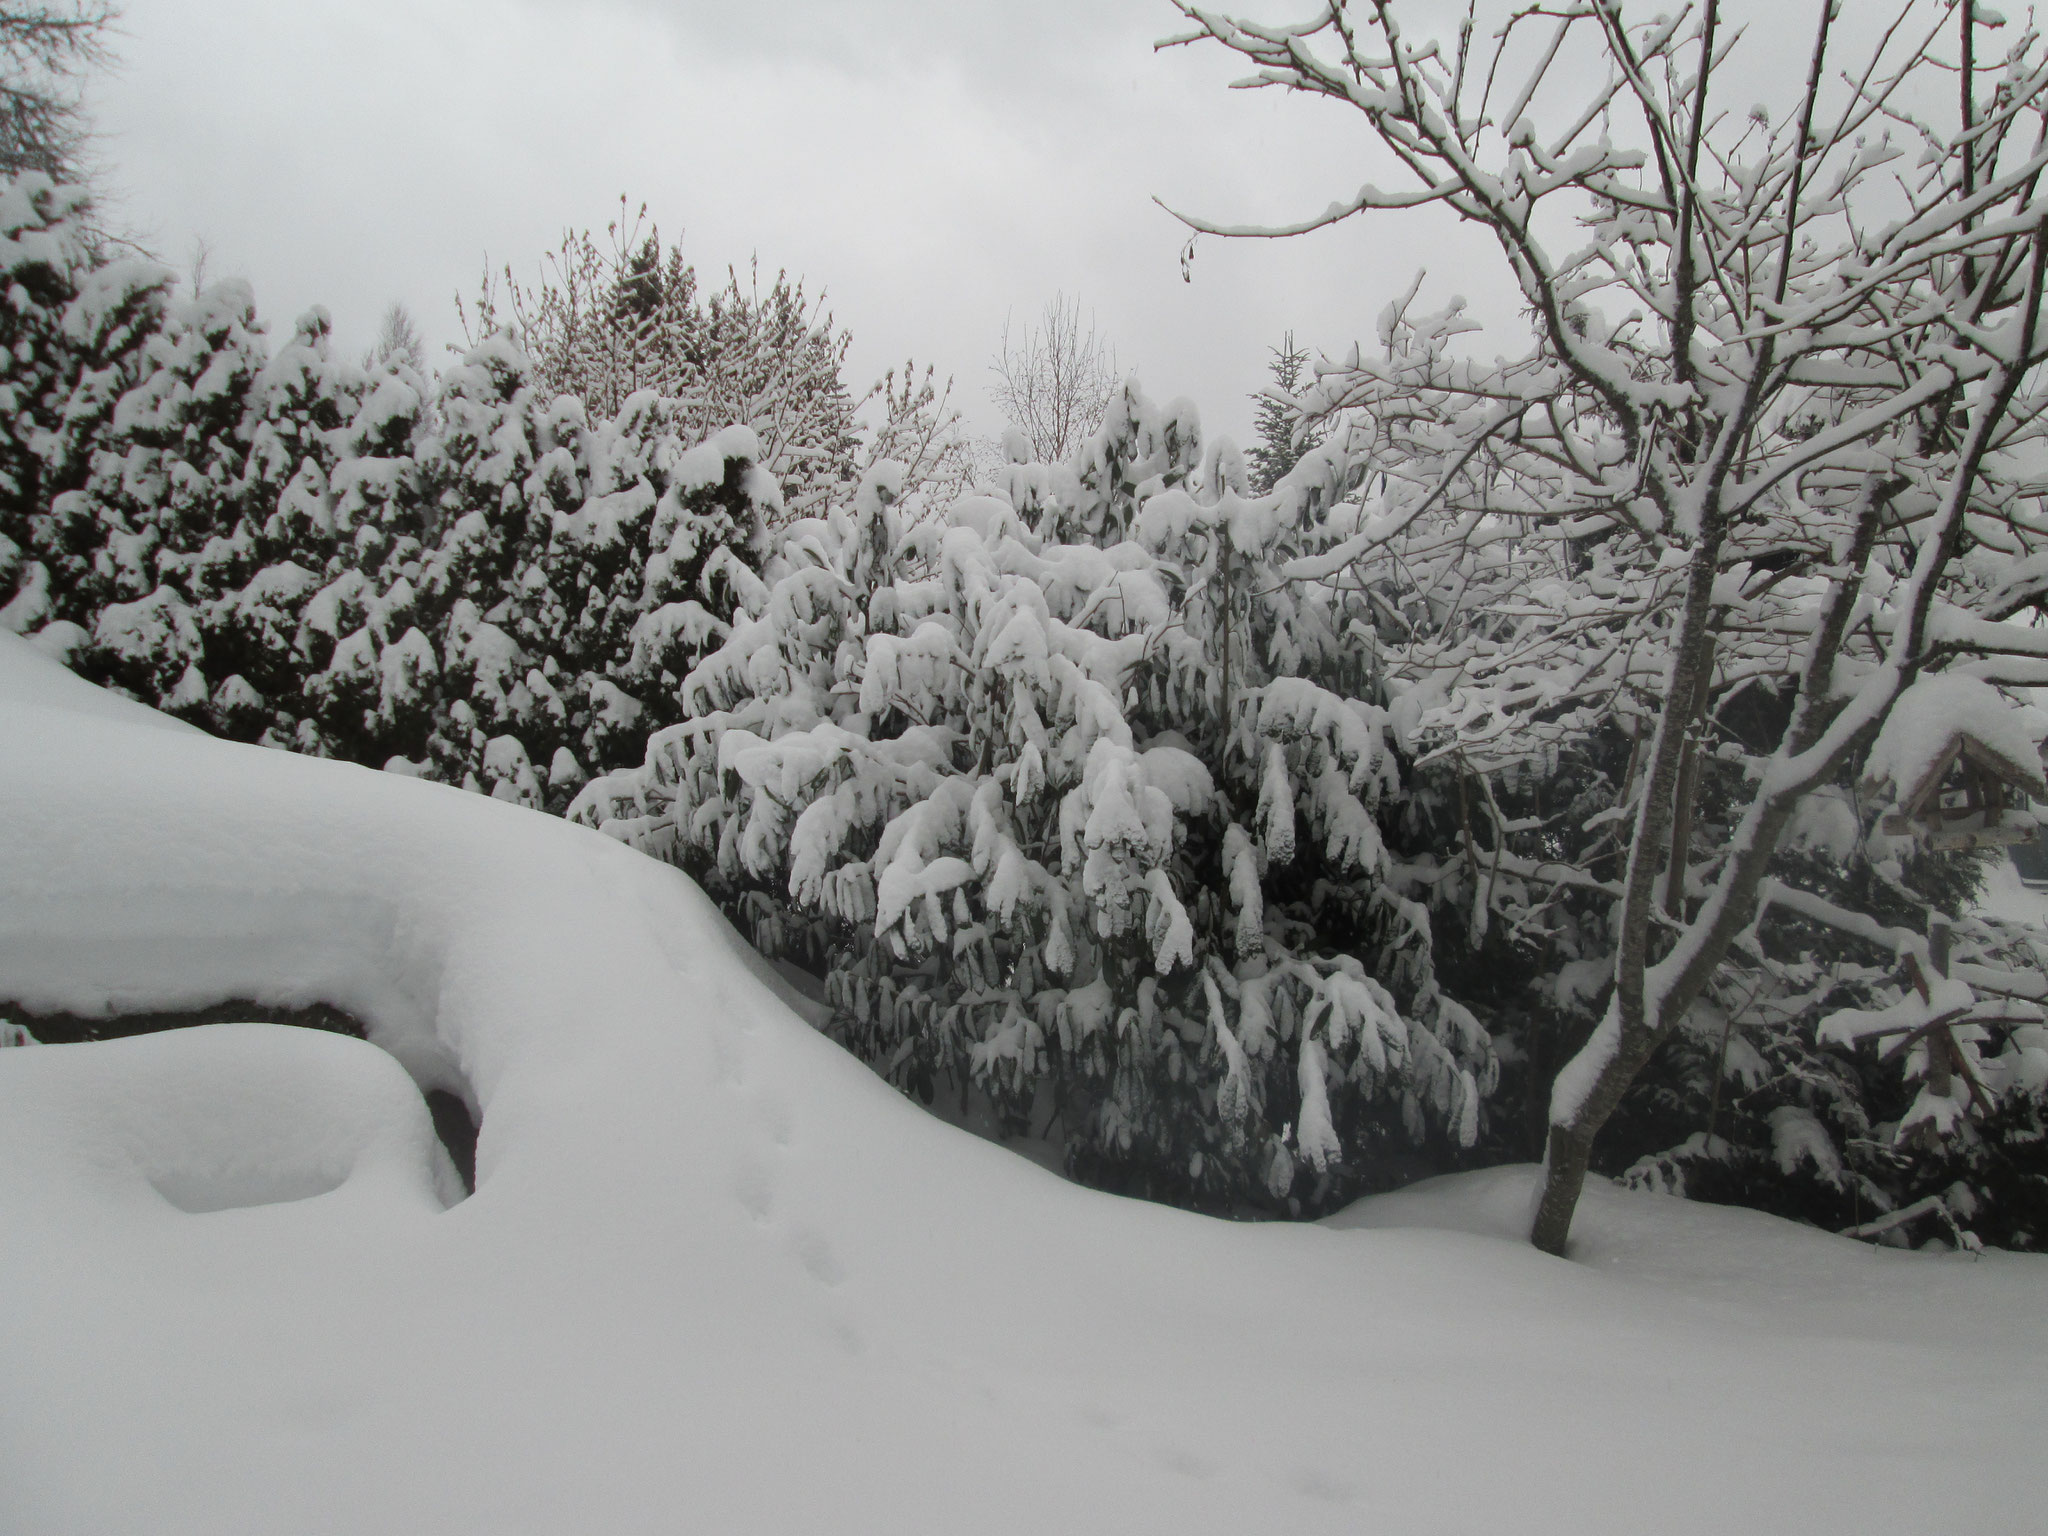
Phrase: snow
[156,628]
[716,1276]
[2006,896]
[1947,998]
[703,466]
[227,1117]
[1930,714]
[1797,1136]
[31,681]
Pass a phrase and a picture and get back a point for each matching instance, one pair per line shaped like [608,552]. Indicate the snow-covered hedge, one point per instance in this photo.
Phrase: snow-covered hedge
[72,329]
[536,583]
[463,579]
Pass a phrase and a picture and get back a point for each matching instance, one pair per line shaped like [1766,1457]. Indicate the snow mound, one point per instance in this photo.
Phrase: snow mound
[716,1276]
[223,1116]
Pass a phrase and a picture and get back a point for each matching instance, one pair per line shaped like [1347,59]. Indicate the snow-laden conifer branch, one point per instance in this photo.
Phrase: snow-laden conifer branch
[994,776]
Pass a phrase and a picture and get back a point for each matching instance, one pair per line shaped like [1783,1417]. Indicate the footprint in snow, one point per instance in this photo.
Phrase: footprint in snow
[1315,1483]
[1177,1459]
[817,1257]
[755,1189]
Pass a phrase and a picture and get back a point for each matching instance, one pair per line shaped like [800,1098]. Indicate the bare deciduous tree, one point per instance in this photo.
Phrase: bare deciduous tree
[604,323]
[1775,436]
[398,341]
[44,48]
[1055,382]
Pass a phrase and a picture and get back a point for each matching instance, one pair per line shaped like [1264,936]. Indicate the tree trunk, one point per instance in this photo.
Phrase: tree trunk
[1570,1144]
[1623,1040]
[1564,1175]
[1941,1048]
[1688,786]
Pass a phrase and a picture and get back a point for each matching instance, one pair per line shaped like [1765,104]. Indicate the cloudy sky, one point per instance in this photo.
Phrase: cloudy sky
[934,164]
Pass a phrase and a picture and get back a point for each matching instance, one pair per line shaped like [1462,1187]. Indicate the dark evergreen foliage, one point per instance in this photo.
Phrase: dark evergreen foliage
[1283,435]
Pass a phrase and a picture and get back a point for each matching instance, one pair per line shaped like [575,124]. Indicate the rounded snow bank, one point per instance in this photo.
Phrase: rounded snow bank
[220,1117]
[159,869]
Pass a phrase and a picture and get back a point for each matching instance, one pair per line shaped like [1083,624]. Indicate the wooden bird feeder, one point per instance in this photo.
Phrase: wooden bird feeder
[1971,796]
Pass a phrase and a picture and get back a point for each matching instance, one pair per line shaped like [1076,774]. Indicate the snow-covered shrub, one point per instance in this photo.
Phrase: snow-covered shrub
[1528,658]
[481,579]
[208,507]
[1528,638]
[436,514]
[73,323]
[1765,417]
[1829,1107]
[308,412]
[1050,825]
[164,482]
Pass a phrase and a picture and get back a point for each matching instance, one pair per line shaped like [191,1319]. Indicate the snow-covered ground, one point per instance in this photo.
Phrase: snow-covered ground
[718,1278]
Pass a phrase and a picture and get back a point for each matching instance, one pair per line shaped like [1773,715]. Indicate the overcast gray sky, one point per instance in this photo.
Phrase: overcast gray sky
[932,163]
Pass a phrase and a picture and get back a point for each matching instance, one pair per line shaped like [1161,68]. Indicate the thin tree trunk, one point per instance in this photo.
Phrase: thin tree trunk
[1565,1156]
[1568,1149]
[1688,787]
[1223,573]
[1940,1044]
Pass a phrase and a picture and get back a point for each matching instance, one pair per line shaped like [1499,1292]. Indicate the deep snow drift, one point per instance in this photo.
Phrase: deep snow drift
[716,1277]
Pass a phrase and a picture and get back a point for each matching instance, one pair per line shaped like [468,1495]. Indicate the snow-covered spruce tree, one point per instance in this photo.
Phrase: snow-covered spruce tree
[338,527]
[598,558]
[634,582]
[295,550]
[401,653]
[1284,436]
[1050,826]
[71,333]
[1758,480]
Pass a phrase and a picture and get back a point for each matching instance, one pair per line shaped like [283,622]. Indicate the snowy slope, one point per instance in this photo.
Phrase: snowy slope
[718,1278]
